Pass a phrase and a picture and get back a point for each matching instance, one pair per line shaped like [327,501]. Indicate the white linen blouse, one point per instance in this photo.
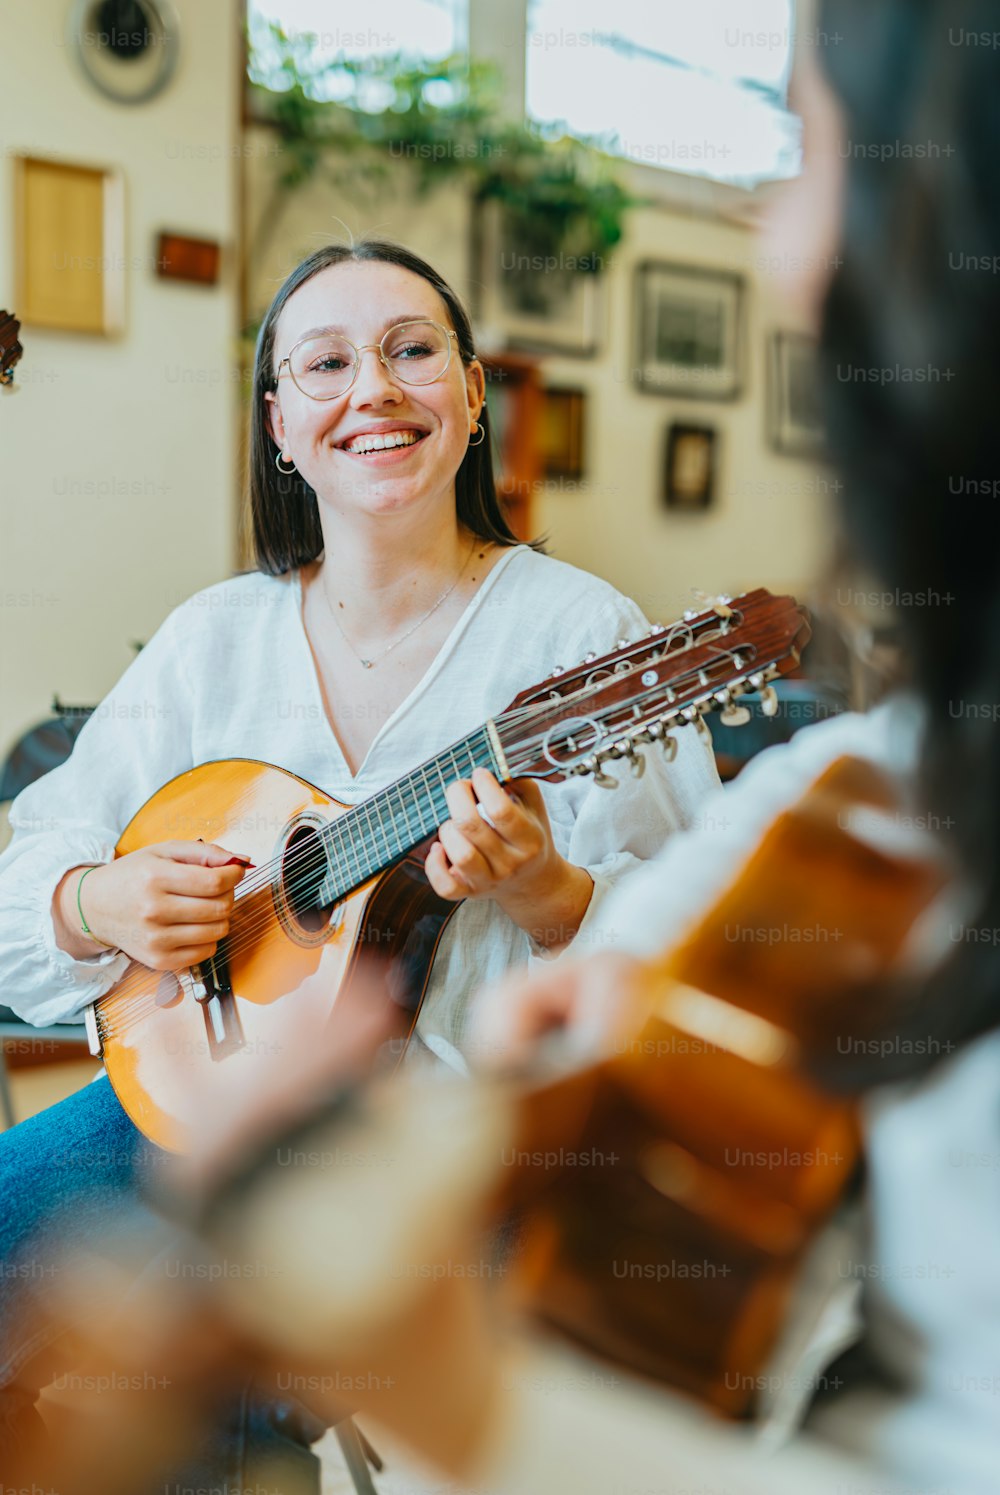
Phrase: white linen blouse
[229,674]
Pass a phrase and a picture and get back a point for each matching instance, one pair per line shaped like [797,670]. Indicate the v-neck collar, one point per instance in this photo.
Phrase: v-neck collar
[421,686]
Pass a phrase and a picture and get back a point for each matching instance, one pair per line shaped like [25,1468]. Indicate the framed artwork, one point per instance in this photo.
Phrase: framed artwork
[688,331]
[794,408]
[689,479]
[561,435]
[519,300]
[180,257]
[69,246]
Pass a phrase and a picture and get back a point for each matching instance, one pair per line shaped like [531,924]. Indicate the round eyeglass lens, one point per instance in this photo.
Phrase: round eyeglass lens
[417,352]
[414,352]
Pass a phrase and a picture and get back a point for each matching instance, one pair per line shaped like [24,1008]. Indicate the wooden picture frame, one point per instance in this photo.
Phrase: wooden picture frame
[689,337]
[689,475]
[796,427]
[517,303]
[69,246]
[562,433]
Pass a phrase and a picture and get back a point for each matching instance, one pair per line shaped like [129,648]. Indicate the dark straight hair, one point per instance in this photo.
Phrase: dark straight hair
[284,510]
[918,292]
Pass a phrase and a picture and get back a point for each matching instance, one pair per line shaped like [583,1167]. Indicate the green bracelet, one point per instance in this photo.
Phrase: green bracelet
[83,923]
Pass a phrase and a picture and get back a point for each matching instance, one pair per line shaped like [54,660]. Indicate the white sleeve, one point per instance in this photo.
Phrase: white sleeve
[615,830]
[569,1422]
[668,893]
[136,739]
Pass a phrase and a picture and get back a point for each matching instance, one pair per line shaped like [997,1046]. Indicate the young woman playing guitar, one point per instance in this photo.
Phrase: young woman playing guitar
[392,611]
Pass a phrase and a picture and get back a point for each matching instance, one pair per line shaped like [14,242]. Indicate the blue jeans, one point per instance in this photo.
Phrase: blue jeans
[73,1176]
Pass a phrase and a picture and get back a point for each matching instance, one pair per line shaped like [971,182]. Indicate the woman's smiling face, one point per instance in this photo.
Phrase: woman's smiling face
[361,300]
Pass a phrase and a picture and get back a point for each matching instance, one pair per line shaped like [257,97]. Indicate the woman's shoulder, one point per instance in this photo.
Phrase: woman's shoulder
[239,601]
[556,584]
[219,622]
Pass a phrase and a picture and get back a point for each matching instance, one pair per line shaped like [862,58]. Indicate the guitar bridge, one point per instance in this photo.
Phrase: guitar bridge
[209,985]
[95,1042]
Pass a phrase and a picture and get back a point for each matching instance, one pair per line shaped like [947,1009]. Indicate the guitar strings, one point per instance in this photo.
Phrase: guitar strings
[248,929]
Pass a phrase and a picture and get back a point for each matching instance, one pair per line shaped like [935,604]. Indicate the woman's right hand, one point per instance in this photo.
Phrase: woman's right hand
[167,906]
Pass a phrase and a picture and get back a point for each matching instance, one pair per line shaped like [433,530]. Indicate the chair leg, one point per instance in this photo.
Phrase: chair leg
[354,1457]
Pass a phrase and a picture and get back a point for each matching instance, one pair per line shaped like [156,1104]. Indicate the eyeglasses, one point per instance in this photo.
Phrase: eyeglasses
[413,352]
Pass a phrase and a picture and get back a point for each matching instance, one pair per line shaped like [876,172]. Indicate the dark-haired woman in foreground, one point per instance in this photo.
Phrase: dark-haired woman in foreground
[393,612]
[902,194]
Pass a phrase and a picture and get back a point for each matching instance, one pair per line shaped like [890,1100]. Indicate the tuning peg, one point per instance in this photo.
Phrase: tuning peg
[656,628]
[559,670]
[595,765]
[769,701]
[734,716]
[669,745]
[637,763]
[589,658]
[719,605]
[622,643]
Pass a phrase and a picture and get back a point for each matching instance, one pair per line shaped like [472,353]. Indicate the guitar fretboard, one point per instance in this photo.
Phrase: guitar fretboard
[377,832]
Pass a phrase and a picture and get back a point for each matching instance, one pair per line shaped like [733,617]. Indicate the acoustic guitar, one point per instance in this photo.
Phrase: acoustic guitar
[666,1192]
[332,883]
[10,348]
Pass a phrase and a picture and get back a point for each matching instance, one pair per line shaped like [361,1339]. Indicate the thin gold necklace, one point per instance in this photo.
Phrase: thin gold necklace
[369,664]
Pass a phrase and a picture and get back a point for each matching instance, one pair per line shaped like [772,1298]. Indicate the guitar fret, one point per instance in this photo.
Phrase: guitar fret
[378,830]
[366,806]
[393,851]
[332,843]
[406,812]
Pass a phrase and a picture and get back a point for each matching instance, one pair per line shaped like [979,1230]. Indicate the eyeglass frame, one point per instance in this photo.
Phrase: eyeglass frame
[449,332]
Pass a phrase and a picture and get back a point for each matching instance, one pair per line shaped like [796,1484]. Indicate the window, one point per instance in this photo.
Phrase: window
[419,29]
[697,87]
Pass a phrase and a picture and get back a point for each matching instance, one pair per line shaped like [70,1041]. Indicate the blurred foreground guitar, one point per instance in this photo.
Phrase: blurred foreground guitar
[333,882]
[666,1192]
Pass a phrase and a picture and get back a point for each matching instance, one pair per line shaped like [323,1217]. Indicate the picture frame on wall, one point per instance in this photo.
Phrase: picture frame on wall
[69,238]
[562,433]
[690,471]
[689,336]
[794,407]
[519,302]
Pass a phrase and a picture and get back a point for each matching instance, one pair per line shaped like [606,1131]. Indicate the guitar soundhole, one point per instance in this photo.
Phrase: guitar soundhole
[303,868]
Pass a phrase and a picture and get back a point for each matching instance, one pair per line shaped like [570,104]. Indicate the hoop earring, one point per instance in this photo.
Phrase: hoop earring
[482,435]
[286,472]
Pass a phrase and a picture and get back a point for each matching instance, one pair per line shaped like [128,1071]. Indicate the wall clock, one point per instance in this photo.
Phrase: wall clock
[127,48]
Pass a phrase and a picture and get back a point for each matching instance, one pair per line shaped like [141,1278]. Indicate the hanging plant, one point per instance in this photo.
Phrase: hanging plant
[354,123]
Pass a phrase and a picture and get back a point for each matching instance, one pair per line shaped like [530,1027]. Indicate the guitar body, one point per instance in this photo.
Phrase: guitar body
[160,1043]
[715,1142]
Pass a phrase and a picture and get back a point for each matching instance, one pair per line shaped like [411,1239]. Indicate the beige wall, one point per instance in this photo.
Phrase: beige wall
[769,525]
[117,457]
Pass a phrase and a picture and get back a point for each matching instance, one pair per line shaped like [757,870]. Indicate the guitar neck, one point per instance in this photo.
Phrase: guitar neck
[575,722]
[374,834]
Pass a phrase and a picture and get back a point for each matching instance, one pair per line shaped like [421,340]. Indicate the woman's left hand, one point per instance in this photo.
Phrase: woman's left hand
[498,844]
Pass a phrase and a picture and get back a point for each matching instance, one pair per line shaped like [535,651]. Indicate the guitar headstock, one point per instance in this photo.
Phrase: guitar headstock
[580,719]
[10,348]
